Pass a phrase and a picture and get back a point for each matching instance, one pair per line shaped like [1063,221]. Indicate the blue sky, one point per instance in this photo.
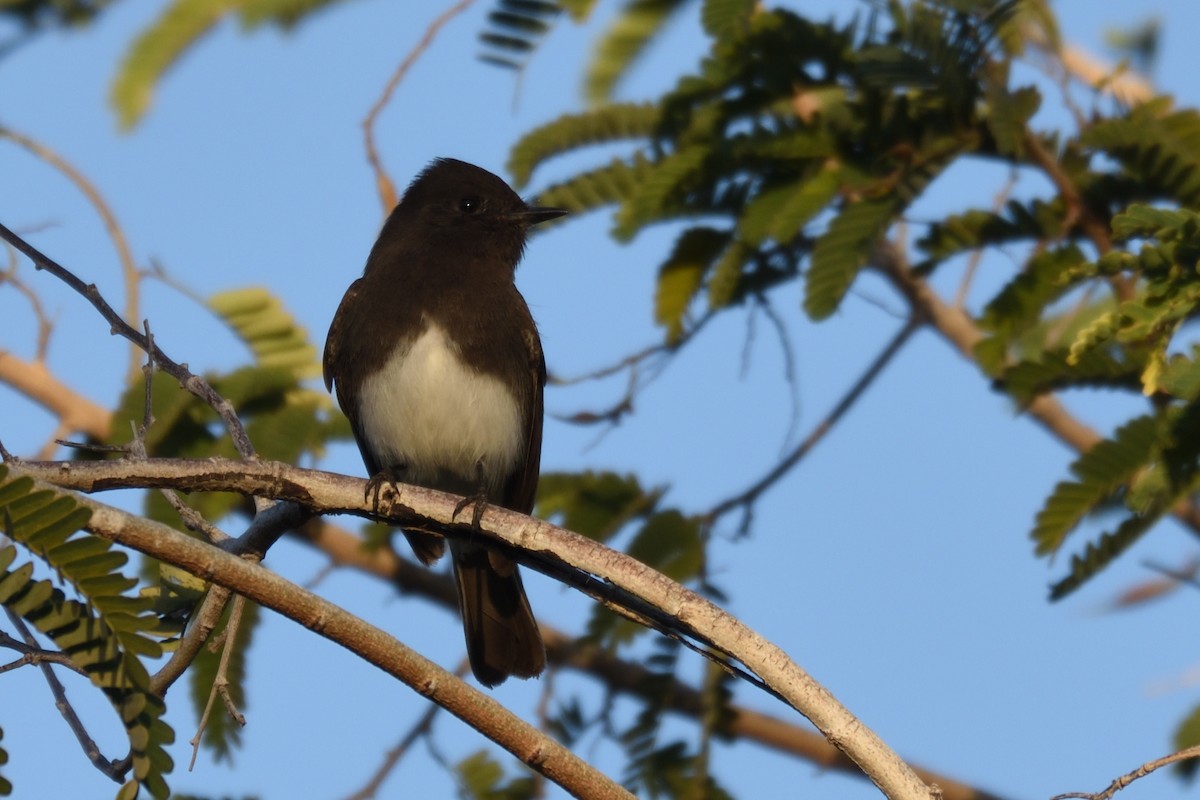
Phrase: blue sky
[893,563]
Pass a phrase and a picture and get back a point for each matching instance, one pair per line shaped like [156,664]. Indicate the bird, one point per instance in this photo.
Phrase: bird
[438,365]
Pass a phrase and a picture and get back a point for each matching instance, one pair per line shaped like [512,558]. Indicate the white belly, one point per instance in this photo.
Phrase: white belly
[429,412]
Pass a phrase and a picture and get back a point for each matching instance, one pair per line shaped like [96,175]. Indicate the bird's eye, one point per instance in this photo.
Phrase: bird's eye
[469,205]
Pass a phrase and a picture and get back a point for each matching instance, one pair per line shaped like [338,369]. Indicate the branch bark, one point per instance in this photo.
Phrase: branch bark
[75,412]
[957,328]
[248,579]
[617,675]
[539,544]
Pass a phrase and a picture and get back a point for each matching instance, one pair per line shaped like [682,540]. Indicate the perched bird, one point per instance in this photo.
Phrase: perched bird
[438,365]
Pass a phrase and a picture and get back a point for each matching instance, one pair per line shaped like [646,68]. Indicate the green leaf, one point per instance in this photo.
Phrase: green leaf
[613,183]
[1159,150]
[260,320]
[178,27]
[670,542]
[1147,222]
[1188,735]
[482,778]
[1099,554]
[515,29]
[593,504]
[842,251]
[284,13]
[681,276]
[727,274]
[781,212]
[103,636]
[1052,372]
[1100,472]
[5,786]
[636,24]
[725,18]
[1009,113]
[664,183]
[1181,378]
[607,124]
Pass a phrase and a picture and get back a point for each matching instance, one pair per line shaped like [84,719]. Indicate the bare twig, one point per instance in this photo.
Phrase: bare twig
[191,518]
[114,770]
[44,325]
[32,654]
[644,367]
[384,184]
[192,383]
[393,757]
[746,499]
[220,687]
[789,366]
[1129,777]
[129,269]
[194,638]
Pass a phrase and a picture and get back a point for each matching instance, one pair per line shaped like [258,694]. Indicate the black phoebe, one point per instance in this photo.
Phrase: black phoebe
[439,367]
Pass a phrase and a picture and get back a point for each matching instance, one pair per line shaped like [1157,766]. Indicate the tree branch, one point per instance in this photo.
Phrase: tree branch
[1128,778]
[618,676]
[960,330]
[75,412]
[129,270]
[254,582]
[383,184]
[541,545]
[192,383]
[114,770]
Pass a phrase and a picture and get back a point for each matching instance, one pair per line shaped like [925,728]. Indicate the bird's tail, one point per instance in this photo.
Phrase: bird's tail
[502,635]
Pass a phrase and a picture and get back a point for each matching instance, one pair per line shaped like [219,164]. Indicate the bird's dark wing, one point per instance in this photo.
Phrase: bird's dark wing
[336,329]
[335,355]
[522,487]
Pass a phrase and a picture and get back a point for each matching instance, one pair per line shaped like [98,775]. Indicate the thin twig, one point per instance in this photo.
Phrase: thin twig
[964,286]
[220,685]
[129,269]
[384,184]
[201,627]
[789,367]
[423,726]
[746,499]
[1121,782]
[31,654]
[111,769]
[192,518]
[45,326]
[192,383]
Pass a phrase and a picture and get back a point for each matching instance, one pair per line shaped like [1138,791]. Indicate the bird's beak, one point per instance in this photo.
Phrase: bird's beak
[534,215]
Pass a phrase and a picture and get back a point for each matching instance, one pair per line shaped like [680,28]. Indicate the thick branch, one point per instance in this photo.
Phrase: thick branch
[960,330]
[75,412]
[539,543]
[617,675]
[250,580]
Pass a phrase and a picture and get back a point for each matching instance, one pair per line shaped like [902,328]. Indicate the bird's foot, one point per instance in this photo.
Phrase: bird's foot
[480,501]
[375,484]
